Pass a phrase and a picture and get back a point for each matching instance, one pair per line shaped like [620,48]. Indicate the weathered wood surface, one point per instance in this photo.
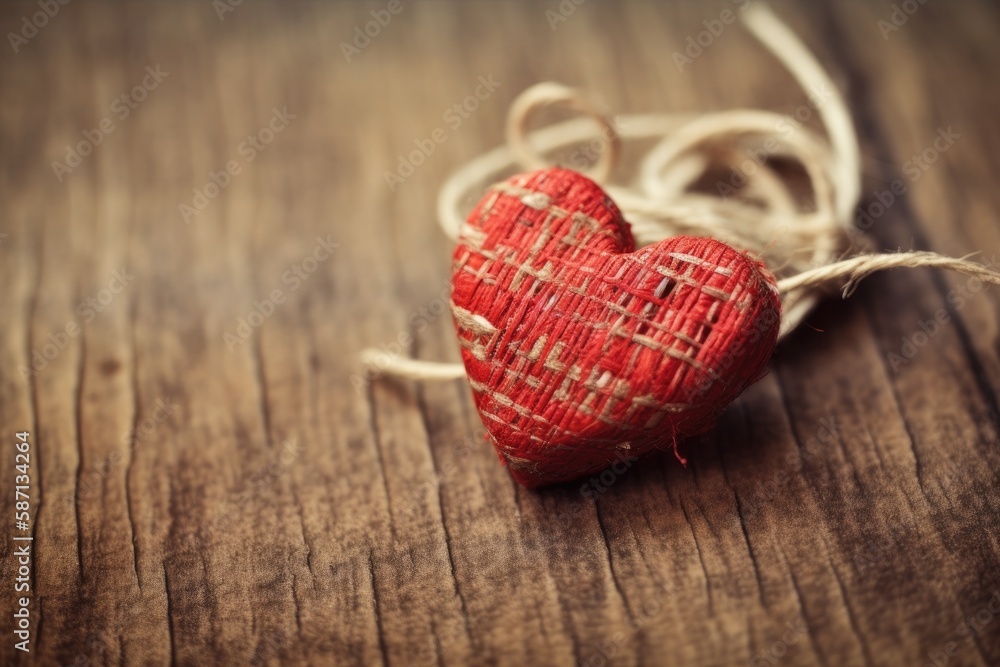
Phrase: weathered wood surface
[845,511]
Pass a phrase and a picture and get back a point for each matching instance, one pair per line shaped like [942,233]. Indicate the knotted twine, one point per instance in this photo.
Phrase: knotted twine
[803,247]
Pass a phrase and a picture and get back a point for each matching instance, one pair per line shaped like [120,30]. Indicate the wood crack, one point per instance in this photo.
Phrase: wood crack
[377,606]
[792,428]
[422,409]
[753,556]
[701,559]
[298,608]
[611,565]
[79,450]
[872,130]
[265,411]
[851,617]
[800,597]
[565,614]
[32,311]
[305,539]
[379,456]
[743,524]
[133,450]
[170,617]
[897,400]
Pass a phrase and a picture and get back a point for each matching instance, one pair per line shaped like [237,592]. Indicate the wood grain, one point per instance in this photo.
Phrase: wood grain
[199,501]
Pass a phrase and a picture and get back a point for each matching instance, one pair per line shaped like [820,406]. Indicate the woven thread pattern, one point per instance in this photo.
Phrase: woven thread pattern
[579,350]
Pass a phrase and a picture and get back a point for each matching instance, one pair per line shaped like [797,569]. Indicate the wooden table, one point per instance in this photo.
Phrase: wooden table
[209,492]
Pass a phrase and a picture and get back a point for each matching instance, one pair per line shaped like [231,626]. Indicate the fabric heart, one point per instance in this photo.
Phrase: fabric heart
[582,351]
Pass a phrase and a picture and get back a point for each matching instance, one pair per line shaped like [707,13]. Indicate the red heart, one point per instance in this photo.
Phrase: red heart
[581,350]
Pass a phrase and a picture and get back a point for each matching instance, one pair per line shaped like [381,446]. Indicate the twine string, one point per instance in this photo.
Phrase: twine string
[804,244]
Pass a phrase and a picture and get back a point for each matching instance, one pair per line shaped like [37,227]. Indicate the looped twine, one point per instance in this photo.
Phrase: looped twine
[803,243]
